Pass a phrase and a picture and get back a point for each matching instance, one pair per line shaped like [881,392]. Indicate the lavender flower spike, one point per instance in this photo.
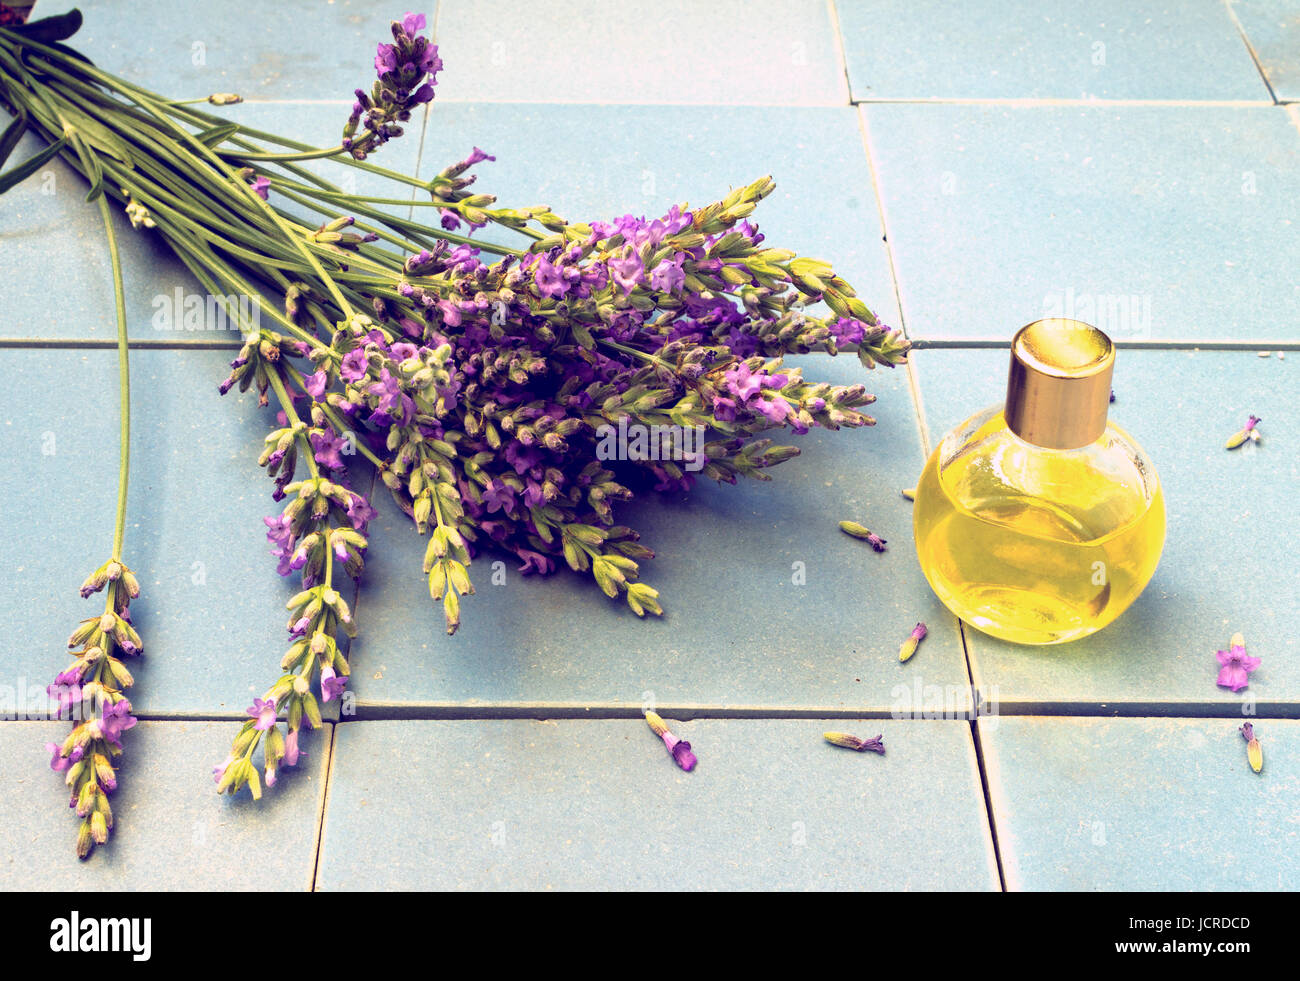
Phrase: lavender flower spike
[679,749]
[402,69]
[88,757]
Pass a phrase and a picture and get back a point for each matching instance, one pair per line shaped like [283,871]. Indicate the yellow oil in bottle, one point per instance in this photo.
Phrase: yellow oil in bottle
[1033,545]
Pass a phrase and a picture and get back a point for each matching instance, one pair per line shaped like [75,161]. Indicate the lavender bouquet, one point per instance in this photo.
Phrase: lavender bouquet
[482,382]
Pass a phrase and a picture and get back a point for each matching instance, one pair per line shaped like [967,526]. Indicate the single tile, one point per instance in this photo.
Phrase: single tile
[1272,27]
[738,630]
[53,236]
[1226,565]
[59,281]
[760,52]
[823,205]
[171,829]
[1143,804]
[291,49]
[211,610]
[598,804]
[1170,223]
[1045,49]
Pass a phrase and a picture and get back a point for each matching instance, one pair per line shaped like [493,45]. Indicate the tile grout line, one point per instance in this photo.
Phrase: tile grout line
[988,801]
[1008,101]
[918,343]
[865,136]
[1153,344]
[1192,711]
[327,773]
[1020,102]
[838,34]
[1250,49]
[97,344]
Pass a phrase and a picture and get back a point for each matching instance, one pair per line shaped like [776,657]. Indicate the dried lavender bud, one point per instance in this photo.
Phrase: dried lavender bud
[1254,754]
[847,741]
[677,748]
[908,647]
[1247,433]
[855,530]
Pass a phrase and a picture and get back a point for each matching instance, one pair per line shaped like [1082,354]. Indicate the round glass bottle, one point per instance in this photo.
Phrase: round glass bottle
[1038,521]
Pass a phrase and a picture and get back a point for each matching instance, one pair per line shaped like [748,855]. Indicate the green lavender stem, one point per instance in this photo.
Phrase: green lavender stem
[124,382]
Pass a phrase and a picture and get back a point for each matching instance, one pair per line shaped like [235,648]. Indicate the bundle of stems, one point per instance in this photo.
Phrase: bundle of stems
[481,393]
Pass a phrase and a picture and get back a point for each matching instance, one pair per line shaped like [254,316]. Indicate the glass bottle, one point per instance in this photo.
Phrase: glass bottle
[1039,521]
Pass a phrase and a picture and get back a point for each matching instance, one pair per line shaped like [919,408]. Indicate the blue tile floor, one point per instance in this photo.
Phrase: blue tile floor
[969,170]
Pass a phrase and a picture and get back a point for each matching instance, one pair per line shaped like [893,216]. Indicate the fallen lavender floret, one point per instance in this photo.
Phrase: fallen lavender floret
[847,741]
[678,749]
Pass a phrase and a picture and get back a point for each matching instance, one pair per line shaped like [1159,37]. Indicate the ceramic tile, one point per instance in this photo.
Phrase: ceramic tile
[671,52]
[587,804]
[1045,49]
[1143,804]
[172,831]
[291,49]
[1169,223]
[211,606]
[1273,29]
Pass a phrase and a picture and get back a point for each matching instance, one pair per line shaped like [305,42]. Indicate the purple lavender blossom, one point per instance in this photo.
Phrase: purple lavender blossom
[291,750]
[679,749]
[360,513]
[332,685]
[1236,665]
[668,276]
[264,711]
[315,385]
[326,447]
[220,769]
[627,271]
[354,366]
[58,762]
[681,752]
[393,401]
[116,719]
[498,496]
[406,73]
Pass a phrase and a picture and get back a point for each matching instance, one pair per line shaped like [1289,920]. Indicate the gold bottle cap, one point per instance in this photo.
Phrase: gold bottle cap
[1058,391]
